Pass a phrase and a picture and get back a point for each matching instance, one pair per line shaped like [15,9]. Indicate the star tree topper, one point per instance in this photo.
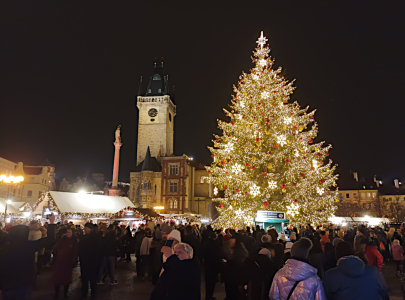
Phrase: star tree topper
[262,40]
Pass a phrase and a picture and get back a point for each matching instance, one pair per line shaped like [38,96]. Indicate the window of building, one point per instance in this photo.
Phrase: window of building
[374,195]
[159,90]
[363,195]
[149,185]
[354,195]
[39,194]
[174,170]
[149,91]
[145,186]
[347,195]
[364,205]
[170,204]
[173,187]
[32,179]
[368,195]
[175,204]
[29,194]
[202,179]
[155,190]
[156,77]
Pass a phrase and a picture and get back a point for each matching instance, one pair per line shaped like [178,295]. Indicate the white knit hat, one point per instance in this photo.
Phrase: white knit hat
[175,235]
[265,251]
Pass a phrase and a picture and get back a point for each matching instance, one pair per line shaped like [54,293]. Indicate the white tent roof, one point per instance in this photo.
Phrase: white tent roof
[88,203]
[10,208]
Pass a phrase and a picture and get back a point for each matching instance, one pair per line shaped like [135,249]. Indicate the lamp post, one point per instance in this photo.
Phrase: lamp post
[9,180]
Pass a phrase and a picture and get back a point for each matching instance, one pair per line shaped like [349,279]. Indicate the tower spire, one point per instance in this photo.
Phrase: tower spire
[140,88]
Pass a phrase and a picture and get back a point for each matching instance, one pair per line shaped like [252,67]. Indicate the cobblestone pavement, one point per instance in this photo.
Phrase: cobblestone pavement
[129,287]
[393,281]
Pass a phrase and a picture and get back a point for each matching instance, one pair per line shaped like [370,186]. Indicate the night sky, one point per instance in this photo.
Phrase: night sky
[70,70]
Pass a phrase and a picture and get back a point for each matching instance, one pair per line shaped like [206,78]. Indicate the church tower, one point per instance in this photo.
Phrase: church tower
[156,117]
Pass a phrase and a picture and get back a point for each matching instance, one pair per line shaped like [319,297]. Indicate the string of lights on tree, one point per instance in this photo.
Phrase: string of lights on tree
[266,158]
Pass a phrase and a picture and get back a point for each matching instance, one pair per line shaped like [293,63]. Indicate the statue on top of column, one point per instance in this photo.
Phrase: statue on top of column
[118,134]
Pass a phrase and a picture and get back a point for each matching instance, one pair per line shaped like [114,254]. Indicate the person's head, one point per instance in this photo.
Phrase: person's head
[323,233]
[183,251]
[266,239]
[88,227]
[166,230]
[343,249]
[69,233]
[174,235]
[265,252]
[361,230]
[189,230]
[301,248]
[19,233]
[329,248]
[336,241]
[142,227]
[148,232]
[396,242]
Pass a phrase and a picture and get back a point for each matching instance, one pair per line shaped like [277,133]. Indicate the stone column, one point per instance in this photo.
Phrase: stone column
[114,191]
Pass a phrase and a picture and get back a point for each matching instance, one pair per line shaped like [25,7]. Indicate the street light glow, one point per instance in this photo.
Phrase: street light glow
[9,201]
[11,179]
[82,192]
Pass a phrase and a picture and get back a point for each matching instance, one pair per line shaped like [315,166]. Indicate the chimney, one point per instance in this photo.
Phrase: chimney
[396,183]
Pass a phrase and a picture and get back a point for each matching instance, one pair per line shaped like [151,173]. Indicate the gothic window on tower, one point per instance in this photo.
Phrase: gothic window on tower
[170,204]
[173,187]
[145,185]
[149,185]
[175,204]
[156,77]
[174,170]
[155,190]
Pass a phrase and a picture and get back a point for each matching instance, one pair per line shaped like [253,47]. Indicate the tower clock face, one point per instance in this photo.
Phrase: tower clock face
[152,112]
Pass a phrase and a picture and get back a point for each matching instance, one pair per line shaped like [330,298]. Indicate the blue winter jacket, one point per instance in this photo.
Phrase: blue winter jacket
[352,280]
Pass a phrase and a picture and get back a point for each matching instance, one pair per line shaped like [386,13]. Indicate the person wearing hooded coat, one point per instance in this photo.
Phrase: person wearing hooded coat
[90,256]
[261,271]
[17,261]
[352,279]
[298,272]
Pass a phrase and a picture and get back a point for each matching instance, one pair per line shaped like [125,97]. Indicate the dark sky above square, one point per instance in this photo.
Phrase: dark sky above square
[70,70]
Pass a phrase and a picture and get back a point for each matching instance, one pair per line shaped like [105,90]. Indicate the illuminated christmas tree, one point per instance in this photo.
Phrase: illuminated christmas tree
[266,158]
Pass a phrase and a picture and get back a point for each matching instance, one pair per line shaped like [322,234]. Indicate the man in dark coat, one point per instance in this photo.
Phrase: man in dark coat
[351,279]
[158,256]
[90,258]
[109,251]
[211,252]
[17,261]
[139,235]
[180,279]
[191,239]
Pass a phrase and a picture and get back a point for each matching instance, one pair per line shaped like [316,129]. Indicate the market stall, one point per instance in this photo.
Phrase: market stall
[80,208]
[274,219]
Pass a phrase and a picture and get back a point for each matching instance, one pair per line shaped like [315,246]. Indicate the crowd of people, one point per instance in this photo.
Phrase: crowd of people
[253,264]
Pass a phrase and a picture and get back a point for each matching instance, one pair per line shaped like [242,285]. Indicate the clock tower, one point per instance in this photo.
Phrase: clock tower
[156,117]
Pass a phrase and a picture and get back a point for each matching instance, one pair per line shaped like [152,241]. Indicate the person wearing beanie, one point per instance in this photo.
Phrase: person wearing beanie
[90,257]
[298,277]
[336,241]
[352,279]
[175,235]
[260,273]
[293,237]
